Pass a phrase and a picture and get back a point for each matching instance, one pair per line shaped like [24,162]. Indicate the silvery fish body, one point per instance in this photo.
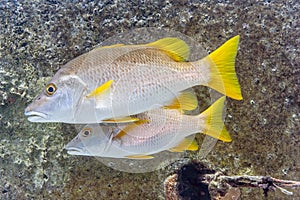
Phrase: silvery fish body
[160,129]
[140,77]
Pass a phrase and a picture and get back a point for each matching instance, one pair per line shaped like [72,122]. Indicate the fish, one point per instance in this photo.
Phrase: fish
[110,84]
[157,130]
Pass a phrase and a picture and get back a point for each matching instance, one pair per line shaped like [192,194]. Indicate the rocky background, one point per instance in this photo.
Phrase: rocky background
[38,37]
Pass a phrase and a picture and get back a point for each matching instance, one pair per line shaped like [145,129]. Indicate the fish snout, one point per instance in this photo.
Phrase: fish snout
[75,147]
[37,102]
[35,112]
[28,108]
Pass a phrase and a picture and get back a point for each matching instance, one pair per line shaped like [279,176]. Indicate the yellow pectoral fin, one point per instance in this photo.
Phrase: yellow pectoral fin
[140,157]
[184,145]
[121,120]
[187,101]
[214,125]
[130,127]
[100,90]
[175,48]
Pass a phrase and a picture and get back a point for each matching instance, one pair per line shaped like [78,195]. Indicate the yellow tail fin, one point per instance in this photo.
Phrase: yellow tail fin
[214,125]
[224,78]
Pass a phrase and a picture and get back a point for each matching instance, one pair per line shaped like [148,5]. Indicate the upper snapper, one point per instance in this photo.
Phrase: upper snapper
[110,83]
[158,130]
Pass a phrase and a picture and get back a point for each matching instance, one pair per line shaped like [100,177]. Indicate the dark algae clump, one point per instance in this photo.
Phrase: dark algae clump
[190,181]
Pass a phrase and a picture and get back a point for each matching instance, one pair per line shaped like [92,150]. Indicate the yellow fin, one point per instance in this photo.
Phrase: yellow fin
[224,78]
[98,91]
[112,46]
[186,101]
[214,125]
[193,146]
[130,127]
[141,157]
[121,120]
[175,48]
[107,47]
[185,144]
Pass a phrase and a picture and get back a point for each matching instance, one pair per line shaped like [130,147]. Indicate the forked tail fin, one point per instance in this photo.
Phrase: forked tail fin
[214,125]
[223,75]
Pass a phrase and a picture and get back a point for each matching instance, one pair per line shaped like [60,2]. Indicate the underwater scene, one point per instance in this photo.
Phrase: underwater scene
[149,100]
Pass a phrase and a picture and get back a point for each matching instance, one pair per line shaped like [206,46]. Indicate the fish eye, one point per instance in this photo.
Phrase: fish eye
[86,132]
[50,89]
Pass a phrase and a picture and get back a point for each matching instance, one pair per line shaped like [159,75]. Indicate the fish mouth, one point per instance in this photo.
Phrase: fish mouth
[34,116]
[73,150]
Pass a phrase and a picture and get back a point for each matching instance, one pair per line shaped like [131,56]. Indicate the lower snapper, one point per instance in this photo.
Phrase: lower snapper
[157,130]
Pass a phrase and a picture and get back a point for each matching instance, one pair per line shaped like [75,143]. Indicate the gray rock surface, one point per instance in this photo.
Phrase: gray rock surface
[38,37]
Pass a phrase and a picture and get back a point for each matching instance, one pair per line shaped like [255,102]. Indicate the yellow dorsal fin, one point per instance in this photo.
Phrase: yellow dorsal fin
[177,49]
[112,46]
[223,75]
[214,125]
[186,101]
[130,127]
[121,120]
[100,90]
[109,46]
[185,144]
[140,157]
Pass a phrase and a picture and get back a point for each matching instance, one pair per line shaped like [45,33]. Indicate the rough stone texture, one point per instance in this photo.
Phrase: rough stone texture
[37,37]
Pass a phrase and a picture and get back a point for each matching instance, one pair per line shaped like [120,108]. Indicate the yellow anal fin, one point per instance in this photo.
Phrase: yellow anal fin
[121,120]
[185,144]
[214,125]
[140,157]
[193,146]
[186,101]
[223,75]
[175,48]
[100,90]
